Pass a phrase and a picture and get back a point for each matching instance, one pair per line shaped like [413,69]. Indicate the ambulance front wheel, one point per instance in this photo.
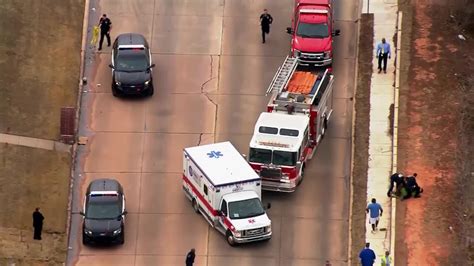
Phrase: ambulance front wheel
[195,206]
[230,238]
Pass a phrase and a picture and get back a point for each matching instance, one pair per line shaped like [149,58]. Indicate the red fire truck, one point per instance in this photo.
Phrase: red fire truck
[286,136]
[312,31]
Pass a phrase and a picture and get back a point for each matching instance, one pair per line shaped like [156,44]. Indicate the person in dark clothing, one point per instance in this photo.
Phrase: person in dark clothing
[406,191]
[395,179]
[190,257]
[105,25]
[413,187]
[367,256]
[37,223]
[265,22]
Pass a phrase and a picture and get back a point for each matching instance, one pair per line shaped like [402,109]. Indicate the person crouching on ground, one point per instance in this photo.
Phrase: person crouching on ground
[413,186]
[395,179]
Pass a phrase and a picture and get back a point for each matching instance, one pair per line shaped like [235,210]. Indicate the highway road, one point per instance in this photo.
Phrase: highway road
[210,78]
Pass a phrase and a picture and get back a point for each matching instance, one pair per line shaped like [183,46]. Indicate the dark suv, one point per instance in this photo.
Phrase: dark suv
[104,212]
[131,65]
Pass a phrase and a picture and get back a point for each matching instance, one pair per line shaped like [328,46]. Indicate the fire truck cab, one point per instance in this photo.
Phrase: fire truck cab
[297,117]
[312,31]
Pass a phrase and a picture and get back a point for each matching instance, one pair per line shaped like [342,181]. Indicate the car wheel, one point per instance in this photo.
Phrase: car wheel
[230,239]
[122,237]
[195,206]
[115,92]
[84,240]
[151,91]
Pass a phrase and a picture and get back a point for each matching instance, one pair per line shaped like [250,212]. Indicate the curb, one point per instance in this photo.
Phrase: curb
[395,132]
[351,186]
[85,25]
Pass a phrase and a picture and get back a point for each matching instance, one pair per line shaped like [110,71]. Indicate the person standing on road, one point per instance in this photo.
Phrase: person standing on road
[375,210]
[105,25]
[37,224]
[367,256]
[265,22]
[387,259]
[383,51]
[190,257]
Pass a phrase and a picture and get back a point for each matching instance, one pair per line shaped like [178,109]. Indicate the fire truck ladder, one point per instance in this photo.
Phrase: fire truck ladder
[283,75]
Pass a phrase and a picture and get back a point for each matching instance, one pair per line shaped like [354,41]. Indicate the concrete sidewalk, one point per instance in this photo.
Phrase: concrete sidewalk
[34,142]
[380,140]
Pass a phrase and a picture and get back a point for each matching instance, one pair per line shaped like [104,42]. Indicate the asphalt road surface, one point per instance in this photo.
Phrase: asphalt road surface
[210,78]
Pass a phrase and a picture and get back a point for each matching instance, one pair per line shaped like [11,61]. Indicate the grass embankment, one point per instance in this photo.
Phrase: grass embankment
[39,71]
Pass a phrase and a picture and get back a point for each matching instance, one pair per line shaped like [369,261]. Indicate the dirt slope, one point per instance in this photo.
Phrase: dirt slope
[435,133]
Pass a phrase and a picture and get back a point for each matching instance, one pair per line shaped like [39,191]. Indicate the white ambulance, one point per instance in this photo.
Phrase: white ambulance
[224,188]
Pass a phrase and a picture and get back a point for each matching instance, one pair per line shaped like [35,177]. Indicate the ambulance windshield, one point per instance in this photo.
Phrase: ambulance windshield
[245,208]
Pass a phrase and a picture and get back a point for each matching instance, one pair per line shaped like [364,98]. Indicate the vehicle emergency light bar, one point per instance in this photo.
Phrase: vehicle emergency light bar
[104,193]
[313,11]
[131,46]
[274,144]
[313,2]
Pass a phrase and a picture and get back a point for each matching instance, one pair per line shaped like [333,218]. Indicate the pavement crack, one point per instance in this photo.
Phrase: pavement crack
[200,139]
[209,80]
[209,98]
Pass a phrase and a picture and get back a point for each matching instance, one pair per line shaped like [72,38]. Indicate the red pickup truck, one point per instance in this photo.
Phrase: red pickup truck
[312,32]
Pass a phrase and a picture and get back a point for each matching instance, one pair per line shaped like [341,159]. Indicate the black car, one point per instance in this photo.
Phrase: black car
[104,212]
[131,65]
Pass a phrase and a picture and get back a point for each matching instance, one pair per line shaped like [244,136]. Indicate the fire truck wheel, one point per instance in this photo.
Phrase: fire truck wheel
[302,175]
[325,126]
[195,206]
[230,238]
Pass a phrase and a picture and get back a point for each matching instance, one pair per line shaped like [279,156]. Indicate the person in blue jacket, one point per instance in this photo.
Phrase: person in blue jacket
[367,256]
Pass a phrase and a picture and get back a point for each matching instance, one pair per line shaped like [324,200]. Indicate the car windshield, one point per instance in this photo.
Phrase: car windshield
[103,207]
[132,61]
[310,30]
[245,208]
[260,156]
[284,158]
